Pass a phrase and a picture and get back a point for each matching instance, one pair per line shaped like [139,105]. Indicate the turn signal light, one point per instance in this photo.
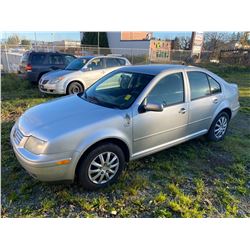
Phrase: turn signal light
[63,162]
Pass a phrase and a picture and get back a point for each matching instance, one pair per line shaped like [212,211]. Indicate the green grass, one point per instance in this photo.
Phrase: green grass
[195,179]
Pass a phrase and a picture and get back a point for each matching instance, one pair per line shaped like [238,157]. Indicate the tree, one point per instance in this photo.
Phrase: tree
[13,40]
[177,45]
[185,43]
[244,41]
[91,38]
[25,42]
[215,41]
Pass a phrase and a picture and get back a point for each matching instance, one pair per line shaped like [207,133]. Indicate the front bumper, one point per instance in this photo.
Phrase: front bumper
[45,167]
[50,88]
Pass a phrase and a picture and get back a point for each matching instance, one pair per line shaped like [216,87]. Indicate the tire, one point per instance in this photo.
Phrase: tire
[95,173]
[74,88]
[219,127]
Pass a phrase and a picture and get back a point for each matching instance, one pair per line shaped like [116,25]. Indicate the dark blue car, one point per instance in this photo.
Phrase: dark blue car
[35,64]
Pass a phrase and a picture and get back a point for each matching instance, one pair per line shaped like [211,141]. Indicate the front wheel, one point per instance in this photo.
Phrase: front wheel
[101,167]
[74,88]
[219,127]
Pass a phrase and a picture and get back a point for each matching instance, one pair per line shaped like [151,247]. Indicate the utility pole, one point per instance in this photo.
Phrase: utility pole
[98,43]
[35,40]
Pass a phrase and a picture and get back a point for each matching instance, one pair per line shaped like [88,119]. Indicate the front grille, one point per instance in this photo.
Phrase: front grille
[44,81]
[17,136]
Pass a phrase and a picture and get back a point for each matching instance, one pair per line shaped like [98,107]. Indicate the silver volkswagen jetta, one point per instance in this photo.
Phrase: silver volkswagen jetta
[132,112]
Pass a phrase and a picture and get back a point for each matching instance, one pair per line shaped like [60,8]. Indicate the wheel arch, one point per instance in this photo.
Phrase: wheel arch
[228,111]
[70,81]
[124,147]
[223,109]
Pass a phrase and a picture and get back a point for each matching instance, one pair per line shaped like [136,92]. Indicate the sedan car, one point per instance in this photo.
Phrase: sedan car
[80,74]
[132,112]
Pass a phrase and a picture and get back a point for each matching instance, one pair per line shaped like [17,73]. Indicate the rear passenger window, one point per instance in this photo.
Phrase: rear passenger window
[55,59]
[38,59]
[121,61]
[214,85]
[168,91]
[112,62]
[25,57]
[199,85]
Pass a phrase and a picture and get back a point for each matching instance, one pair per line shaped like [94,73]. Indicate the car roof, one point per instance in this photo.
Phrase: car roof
[154,69]
[86,57]
[48,52]
[108,56]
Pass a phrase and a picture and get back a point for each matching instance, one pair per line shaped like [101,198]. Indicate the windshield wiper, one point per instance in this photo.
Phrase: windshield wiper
[98,101]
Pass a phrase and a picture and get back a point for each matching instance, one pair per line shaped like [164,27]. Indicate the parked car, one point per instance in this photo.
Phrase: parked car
[35,64]
[80,74]
[132,112]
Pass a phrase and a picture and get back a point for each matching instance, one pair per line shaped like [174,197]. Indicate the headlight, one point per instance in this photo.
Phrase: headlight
[35,145]
[57,80]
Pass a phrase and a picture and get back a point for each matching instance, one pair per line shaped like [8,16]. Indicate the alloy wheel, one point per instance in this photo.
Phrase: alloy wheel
[103,168]
[220,127]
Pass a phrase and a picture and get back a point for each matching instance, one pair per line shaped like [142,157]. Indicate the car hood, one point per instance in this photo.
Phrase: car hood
[57,73]
[63,115]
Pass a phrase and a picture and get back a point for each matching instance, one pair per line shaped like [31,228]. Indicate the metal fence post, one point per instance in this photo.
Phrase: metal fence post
[7,59]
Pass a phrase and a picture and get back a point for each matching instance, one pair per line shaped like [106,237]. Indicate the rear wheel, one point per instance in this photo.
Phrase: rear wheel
[74,88]
[219,127]
[101,167]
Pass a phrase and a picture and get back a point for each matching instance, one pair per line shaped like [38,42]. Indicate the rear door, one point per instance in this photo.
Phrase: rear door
[205,96]
[56,61]
[113,63]
[38,63]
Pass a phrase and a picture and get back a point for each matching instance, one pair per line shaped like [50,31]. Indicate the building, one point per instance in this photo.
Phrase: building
[124,42]
[160,50]
[141,44]
[65,44]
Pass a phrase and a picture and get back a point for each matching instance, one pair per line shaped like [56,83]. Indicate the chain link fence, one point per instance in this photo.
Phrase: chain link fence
[11,54]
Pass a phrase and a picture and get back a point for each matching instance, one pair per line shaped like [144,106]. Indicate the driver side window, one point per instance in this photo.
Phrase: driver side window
[168,91]
[96,64]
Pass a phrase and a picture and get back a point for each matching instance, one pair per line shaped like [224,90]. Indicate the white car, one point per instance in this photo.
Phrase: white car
[80,74]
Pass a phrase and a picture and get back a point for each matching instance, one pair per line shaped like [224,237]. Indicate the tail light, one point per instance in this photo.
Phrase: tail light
[28,67]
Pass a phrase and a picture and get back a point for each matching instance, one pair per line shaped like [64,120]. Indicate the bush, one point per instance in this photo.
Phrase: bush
[11,83]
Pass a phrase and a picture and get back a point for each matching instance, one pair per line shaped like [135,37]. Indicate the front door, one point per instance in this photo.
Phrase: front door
[96,70]
[152,130]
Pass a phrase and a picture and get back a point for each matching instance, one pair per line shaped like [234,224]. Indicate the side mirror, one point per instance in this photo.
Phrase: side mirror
[153,107]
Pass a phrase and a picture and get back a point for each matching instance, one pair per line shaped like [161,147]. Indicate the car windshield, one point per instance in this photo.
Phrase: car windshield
[77,64]
[117,89]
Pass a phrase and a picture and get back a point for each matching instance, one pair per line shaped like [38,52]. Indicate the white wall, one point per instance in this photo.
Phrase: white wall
[139,47]
[13,59]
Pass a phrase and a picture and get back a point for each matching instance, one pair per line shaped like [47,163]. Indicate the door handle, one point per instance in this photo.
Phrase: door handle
[215,100]
[182,111]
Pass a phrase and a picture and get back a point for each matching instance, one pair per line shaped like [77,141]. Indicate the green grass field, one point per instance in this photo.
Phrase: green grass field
[194,179]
